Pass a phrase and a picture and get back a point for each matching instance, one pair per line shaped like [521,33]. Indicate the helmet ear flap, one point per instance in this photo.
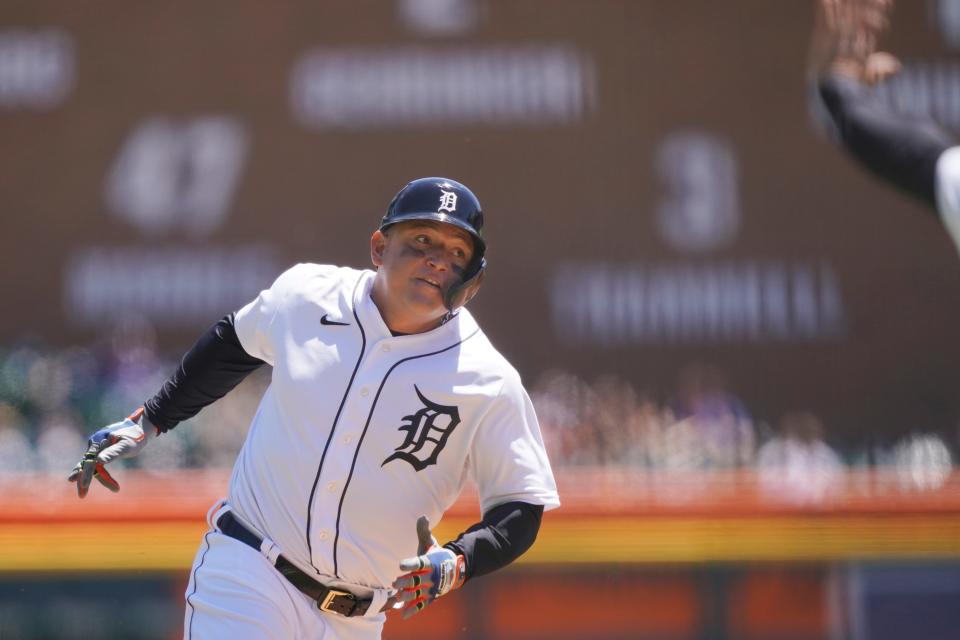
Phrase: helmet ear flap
[460,294]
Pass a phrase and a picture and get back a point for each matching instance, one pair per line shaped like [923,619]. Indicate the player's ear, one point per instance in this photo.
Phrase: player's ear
[378,246]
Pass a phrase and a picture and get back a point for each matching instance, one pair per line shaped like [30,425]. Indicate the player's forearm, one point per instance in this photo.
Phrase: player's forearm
[503,535]
[210,369]
[901,150]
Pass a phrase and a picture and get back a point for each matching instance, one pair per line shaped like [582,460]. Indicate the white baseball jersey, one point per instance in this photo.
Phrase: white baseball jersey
[947,190]
[361,432]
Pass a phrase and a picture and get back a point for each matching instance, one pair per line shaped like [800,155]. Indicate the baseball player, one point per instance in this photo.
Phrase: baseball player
[914,154]
[385,397]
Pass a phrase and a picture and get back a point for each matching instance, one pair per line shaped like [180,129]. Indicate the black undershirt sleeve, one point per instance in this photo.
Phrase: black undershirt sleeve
[503,535]
[899,149]
[210,369]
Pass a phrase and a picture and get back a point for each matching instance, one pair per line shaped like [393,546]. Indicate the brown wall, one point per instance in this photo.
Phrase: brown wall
[835,293]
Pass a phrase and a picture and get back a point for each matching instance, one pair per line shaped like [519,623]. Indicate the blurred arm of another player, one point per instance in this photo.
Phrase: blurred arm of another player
[914,154]
[503,535]
[210,369]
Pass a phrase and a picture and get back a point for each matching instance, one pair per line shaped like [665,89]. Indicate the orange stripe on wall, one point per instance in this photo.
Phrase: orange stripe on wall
[122,546]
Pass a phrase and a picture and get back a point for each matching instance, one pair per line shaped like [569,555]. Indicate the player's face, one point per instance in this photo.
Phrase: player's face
[417,262]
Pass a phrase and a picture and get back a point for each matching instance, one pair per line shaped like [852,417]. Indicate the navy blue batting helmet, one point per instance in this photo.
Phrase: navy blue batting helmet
[448,201]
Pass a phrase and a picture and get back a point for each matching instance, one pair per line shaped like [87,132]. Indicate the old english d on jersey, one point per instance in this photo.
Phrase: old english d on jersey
[383,428]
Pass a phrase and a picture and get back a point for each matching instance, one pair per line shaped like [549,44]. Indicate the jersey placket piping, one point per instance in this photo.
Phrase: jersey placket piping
[196,572]
[333,428]
[356,452]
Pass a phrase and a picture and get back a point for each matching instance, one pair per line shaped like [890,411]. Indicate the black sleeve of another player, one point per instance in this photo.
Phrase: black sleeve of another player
[899,149]
[209,370]
[505,532]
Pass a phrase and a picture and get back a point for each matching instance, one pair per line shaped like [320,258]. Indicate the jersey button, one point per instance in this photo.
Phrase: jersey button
[347,439]
[331,486]
[323,534]
[385,348]
[364,392]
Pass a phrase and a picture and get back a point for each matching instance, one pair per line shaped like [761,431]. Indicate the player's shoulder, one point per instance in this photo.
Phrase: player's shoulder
[479,353]
[306,278]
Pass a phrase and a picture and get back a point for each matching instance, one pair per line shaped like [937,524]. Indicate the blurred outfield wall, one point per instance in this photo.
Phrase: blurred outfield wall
[656,192]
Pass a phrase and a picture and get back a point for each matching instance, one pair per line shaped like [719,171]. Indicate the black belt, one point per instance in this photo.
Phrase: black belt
[330,600]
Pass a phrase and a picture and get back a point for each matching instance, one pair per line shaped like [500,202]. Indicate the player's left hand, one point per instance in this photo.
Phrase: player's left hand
[846,35]
[434,572]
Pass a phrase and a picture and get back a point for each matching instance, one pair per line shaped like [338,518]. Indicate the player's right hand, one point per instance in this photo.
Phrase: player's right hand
[118,440]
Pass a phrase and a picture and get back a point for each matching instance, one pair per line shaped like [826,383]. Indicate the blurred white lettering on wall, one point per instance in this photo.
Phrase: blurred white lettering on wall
[173,286]
[439,17]
[532,86]
[36,68]
[178,175]
[697,303]
[700,210]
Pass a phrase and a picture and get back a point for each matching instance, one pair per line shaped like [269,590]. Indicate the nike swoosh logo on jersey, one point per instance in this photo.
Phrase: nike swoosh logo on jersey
[327,321]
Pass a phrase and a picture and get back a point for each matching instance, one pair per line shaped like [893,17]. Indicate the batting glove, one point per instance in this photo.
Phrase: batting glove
[436,571]
[118,440]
